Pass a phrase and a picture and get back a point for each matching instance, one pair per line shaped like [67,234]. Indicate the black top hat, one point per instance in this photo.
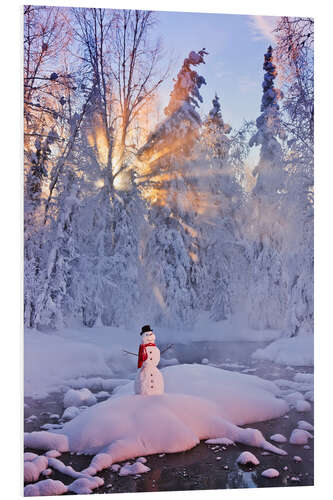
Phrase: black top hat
[145,328]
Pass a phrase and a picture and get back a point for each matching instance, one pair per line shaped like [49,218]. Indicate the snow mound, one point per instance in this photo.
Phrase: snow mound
[247,458]
[302,406]
[306,426]
[33,468]
[131,425]
[270,473]
[300,436]
[278,438]
[47,487]
[79,397]
[136,468]
[70,412]
[309,395]
[295,351]
[294,397]
[85,485]
[242,398]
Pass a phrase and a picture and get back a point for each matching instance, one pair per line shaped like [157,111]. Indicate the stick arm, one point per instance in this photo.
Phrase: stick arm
[128,352]
[164,350]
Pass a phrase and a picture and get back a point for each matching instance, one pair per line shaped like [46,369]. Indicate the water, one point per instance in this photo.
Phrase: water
[203,467]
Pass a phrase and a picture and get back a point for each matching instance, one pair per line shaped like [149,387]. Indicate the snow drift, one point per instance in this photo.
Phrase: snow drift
[294,351]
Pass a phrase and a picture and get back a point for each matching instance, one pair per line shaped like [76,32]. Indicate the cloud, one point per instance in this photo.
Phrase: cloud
[262,27]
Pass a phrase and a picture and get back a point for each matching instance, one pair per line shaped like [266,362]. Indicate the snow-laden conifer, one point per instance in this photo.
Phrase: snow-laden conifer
[270,172]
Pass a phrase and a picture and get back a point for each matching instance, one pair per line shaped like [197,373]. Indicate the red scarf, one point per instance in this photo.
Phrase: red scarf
[143,353]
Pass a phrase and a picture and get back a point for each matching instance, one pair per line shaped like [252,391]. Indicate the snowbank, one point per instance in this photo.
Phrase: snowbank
[295,351]
[50,360]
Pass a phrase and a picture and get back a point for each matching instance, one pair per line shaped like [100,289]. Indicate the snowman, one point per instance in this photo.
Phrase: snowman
[149,380]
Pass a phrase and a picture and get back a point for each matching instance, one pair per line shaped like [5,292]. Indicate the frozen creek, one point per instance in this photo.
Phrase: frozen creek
[205,466]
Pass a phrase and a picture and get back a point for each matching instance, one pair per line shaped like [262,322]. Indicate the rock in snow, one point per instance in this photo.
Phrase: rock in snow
[247,458]
[70,412]
[300,436]
[302,406]
[132,470]
[270,473]
[278,438]
[79,397]
[306,426]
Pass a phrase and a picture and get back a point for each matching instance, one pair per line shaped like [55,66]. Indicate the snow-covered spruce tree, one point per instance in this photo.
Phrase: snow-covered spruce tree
[281,289]
[169,257]
[220,251]
[270,172]
[266,225]
[169,292]
[61,252]
[217,131]
[177,132]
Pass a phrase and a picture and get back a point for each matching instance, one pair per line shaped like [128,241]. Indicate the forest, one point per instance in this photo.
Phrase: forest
[132,213]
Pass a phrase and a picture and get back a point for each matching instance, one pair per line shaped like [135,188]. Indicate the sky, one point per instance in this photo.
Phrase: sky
[236,46]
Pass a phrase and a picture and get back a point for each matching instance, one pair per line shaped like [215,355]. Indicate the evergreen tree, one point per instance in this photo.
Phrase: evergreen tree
[56,276]
[169,256]
[267,297]
[269,171]
[220,250]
